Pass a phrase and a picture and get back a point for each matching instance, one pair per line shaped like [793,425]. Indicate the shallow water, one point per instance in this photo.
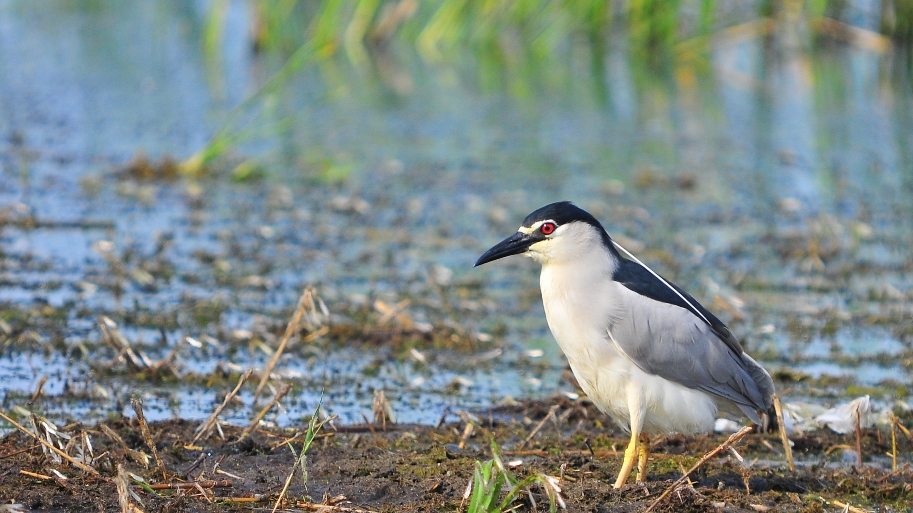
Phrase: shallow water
[772,181]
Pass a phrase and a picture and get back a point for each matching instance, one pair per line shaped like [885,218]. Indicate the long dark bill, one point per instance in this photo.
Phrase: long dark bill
[513,245]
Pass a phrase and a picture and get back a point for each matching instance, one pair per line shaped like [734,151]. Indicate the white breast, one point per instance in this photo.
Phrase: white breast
[579,298]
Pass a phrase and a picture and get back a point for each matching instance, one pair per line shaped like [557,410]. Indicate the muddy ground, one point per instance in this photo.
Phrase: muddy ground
[423,468]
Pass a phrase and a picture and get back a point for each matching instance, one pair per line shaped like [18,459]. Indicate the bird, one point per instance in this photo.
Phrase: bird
[643,350]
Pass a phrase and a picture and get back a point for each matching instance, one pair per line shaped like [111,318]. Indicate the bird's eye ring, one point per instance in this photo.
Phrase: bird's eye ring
[547,228]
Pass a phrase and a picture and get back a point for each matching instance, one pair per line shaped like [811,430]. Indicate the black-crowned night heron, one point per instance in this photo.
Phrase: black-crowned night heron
[644,351]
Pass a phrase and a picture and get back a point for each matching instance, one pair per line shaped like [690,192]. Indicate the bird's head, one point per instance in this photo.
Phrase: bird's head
[553,234]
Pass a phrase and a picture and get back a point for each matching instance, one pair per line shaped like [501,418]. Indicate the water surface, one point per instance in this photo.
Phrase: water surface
[773,181]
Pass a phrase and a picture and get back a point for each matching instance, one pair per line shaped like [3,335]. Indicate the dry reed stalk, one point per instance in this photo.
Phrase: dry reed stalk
[78,464]
[288,481]
[903,429]
[310,337]
[382,409]
[184,486]
[119,343]
[783,437]
[858,441]
[393,312]
[722,447]
[139,456]
[253,425]
[147,435]
[306,300]
[206,426]
[123,496]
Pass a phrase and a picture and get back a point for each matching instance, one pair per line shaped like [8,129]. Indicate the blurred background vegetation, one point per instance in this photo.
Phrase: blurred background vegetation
[524,47]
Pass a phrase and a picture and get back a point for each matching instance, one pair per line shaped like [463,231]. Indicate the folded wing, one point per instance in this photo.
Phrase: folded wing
[671,335]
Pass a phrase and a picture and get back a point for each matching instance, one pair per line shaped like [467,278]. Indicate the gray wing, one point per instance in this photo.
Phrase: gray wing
[672,342]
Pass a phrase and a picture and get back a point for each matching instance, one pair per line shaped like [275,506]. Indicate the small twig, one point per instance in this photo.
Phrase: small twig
[168,360]
[847,507]
[902,468]
[263,412]
[77,464]
[275,445]
[147,435]
[193,466]
[206,426]
[292,328]
[196,486]
[722,447]
[229,474]
[286,441]
[551,414]
[577,452]
[35,475]
[184,486]
[782,424]
[467,432]
[38,389]
[443,418]
[893,447]
[310,506]
[20,451]
[370,426]
[903,429]
[248,499]
[61,480]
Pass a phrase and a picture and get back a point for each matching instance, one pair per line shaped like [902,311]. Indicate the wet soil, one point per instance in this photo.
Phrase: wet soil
[424,468]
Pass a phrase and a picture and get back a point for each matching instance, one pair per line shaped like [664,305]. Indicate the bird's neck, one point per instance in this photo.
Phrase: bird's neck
[578,298]
[578,279]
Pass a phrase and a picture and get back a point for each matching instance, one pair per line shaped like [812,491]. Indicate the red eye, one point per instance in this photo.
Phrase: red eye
[547,228]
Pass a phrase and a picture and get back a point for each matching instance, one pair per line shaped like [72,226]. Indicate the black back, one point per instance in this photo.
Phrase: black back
[638,279]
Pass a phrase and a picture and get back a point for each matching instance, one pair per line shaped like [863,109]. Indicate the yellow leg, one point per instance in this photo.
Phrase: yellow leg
[643,454]
[628,464]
